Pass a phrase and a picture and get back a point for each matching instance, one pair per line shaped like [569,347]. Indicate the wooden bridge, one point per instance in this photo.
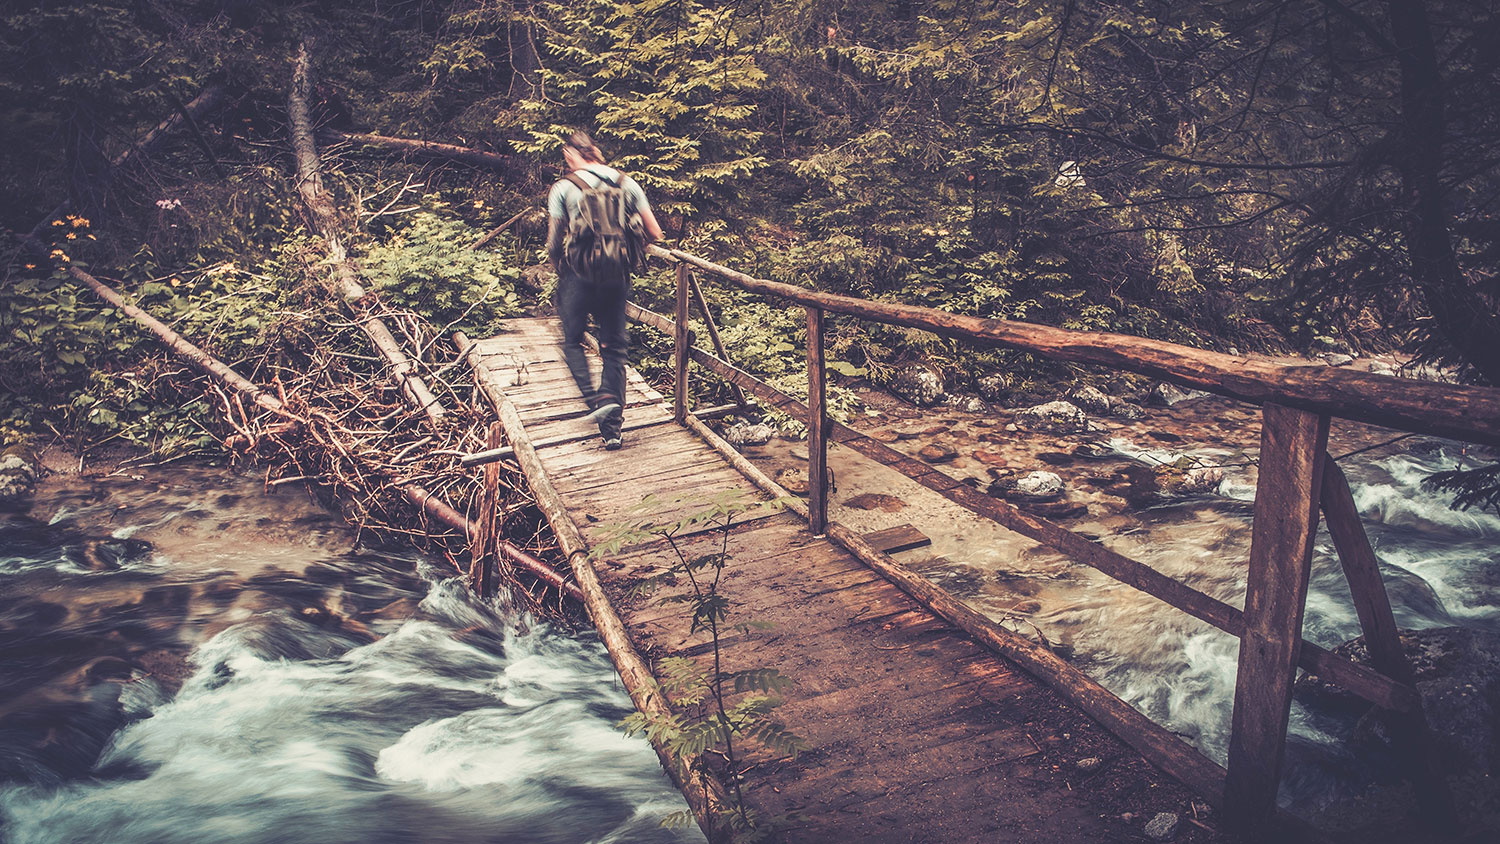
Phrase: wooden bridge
[923,713]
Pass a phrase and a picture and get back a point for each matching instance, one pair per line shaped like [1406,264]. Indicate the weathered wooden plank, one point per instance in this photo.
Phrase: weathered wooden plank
[1286,521]
[898,538]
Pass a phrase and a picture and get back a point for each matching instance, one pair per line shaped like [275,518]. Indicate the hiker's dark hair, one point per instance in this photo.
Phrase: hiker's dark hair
[585,146]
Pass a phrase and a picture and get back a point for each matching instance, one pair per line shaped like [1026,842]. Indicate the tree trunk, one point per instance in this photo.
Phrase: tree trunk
[1464,317]
[325,222]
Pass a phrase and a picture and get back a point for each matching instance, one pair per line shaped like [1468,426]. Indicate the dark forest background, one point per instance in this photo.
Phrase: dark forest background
[1245,174]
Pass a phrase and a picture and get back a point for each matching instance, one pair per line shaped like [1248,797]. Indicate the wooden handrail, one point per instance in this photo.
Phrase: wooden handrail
[1298,402]
[1450,410]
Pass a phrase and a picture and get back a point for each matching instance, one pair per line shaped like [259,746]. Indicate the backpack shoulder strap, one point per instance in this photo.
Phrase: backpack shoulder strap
[579,181]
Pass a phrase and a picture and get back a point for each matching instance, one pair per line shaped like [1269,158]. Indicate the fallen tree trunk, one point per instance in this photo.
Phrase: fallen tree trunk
[428,149]
[325,221]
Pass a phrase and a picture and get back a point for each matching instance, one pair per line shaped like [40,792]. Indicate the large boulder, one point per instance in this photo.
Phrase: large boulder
[918,383]
[1055,416]
[1458,674]
[1090,400]
[995,387]
[1167,395]
[746,433]
[1033,486]
[18,475]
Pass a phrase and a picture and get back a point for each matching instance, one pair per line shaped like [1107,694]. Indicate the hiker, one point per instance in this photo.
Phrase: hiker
[600,225]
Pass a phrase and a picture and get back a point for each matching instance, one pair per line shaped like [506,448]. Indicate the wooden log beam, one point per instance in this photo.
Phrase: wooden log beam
[428,149]
[1449,410]
[185,350]
[682,343]
[325,221]
[817,426]
[706,802]
[713,332]
[1292,445]
[496,231]
[444,512]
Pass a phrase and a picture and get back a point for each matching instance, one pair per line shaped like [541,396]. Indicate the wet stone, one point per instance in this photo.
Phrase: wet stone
[1094,451]
[1337,359]
[745,434]
[1091,400]
[1088,765]
[966,404]
[994,387]
[884,435]
[1128,411]
[792,481]
[876,501]
[935,453]
[1055,458]
[1034,486]
[1162,827]
[990,458]
[1055,416]
[918,383]
[1167,395]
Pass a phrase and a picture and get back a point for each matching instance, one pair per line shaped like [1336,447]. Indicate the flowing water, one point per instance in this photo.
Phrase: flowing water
[186,659]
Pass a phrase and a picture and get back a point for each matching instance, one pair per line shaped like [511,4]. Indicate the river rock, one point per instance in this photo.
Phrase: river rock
[1167,395]
[966,404]
[876,501]
[995,387]
[1033,486]
[1337,359]
[1090,400]
[937,453]
[1089,765]
[990,457]
[1094,451]
[1458,675]
[1129,411]
[793,481]
[17,479]
[1055,416]
[918,383]
[1332,345]
[1162,827]
[884,435]
[746,433]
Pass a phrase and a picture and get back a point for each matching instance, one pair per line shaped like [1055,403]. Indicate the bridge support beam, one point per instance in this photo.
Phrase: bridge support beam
[1287,494]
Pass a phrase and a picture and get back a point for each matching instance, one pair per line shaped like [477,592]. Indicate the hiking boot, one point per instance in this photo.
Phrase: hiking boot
[605,410]
[613,443]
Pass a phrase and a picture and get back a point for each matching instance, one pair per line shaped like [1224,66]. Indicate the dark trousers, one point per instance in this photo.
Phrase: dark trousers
[579,298]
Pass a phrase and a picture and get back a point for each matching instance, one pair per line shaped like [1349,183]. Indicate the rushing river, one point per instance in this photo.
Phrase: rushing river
[187,660]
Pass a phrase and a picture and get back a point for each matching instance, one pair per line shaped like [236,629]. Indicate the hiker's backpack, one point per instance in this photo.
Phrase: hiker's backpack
[606,239]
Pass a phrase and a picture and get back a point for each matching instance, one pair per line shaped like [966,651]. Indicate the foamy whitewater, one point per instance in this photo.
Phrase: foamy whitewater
[459,723]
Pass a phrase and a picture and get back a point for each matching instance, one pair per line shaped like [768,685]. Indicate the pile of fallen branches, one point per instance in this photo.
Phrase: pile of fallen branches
[346,433]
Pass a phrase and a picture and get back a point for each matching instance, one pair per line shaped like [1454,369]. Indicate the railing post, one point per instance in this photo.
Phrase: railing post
[681,341]
[1292,444]
[817,426]
[1410,734]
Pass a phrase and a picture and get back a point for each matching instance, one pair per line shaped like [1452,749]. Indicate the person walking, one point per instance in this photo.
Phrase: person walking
[591,286]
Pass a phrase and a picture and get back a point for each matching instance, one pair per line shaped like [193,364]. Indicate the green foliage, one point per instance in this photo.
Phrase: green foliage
[665,85]
[428,267]
[704,713]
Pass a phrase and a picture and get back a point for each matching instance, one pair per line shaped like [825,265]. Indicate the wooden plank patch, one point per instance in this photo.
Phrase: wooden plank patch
[898,538]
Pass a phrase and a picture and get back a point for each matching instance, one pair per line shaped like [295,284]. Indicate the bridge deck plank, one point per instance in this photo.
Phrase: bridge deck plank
[919,734]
